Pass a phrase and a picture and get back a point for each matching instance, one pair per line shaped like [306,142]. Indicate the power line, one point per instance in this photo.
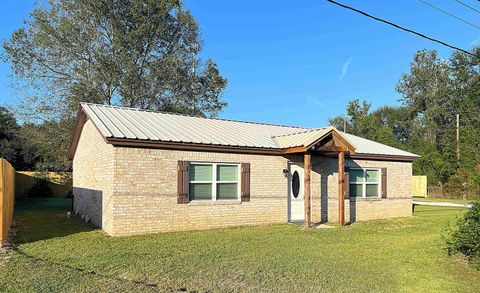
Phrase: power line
[450,14]
[466,5]
[402,28]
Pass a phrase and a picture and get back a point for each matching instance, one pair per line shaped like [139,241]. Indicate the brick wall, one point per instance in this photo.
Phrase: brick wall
[325,188]
[93,177]
[130,191]
[145,190]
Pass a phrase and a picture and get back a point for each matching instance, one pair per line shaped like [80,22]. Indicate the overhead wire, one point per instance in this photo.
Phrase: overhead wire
[402,28]
[450,14]
[468,6]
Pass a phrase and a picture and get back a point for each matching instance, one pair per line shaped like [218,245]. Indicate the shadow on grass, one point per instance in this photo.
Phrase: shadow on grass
[45,218]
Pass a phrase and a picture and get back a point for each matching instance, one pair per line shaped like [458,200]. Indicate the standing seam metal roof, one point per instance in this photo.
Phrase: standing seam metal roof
[136,124]
[302,138]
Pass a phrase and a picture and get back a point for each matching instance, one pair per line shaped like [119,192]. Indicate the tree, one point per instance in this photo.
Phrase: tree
[427,91]
[8,135]
[360,121]
[356,113]
[433,92]
[51,143]
[437,90]
[136,53]
[13,146]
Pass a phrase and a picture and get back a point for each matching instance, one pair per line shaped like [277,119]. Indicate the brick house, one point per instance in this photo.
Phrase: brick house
[137,172]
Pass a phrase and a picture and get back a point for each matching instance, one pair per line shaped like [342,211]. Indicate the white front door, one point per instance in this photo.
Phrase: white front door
[296,202]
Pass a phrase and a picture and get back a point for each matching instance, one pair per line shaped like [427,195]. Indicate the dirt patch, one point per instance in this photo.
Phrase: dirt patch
[6,251]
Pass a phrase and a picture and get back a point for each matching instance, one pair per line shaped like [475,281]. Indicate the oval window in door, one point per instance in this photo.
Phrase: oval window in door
[295,184]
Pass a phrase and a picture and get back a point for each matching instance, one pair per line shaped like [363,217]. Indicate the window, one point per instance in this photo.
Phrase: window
[295,184]
[364,182]
[213,181]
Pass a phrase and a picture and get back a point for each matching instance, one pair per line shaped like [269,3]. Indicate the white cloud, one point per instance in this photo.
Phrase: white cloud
[316,102]
[475,42]
[345,68]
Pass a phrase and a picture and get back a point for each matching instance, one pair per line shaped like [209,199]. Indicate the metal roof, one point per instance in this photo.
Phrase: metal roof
[119,122]
[135,124]
[366,146]
[301,138]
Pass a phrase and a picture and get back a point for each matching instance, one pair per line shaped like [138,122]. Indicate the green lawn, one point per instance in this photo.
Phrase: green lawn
[402,255]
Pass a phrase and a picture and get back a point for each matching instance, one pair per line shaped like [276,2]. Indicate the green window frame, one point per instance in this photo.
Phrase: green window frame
[365,182]
[213,181]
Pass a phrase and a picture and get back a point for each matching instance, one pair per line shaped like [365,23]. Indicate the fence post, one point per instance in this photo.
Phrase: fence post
[2,203]
[7,198]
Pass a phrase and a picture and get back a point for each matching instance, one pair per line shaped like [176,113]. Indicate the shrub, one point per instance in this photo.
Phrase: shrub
[465,236]
[40,187]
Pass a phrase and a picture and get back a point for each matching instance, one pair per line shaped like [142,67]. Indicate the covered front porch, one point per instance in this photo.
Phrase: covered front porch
[317,144]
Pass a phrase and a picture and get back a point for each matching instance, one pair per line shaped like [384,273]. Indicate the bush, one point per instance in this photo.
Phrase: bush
[40,189]
[465,237]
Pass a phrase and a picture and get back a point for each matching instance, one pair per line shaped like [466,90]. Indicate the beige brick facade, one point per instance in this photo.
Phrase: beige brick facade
[93,166]
[128,190]
[325,190]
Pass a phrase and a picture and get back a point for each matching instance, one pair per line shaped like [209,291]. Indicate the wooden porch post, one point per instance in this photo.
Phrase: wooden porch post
[307,168]
[341,179]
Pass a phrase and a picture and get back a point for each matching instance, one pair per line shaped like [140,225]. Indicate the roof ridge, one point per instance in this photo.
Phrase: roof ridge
[299,132]
[193,116]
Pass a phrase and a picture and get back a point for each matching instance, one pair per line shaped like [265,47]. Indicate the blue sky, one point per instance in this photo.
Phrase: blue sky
[300,62]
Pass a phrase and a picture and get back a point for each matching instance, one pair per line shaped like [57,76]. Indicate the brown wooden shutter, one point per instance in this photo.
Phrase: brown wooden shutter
[346,184]
[182,182]
[384,182]
[245,182]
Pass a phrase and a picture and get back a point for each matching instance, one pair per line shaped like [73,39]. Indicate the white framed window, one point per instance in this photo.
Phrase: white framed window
[213,181]
[365,182]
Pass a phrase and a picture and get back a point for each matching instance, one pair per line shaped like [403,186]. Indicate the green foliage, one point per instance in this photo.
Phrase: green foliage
[135,53]
[433,93]
[9,130]
[14,146]
[40,189]
[52,139]
[465,237]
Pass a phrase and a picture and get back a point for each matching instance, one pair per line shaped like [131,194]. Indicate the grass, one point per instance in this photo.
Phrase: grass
[453,200]
[401,255]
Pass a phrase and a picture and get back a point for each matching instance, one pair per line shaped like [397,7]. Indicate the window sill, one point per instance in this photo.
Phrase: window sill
[215,203]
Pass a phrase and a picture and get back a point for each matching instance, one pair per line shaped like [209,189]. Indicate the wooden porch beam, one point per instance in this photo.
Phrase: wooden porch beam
[333,142]
[341,179]
[299,149]
[337,136]
[307,168]
[326,148]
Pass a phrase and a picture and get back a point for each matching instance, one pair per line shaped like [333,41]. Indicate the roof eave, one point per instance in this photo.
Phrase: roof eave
[384,157]
[82,118]
[125,142]
[77,131]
